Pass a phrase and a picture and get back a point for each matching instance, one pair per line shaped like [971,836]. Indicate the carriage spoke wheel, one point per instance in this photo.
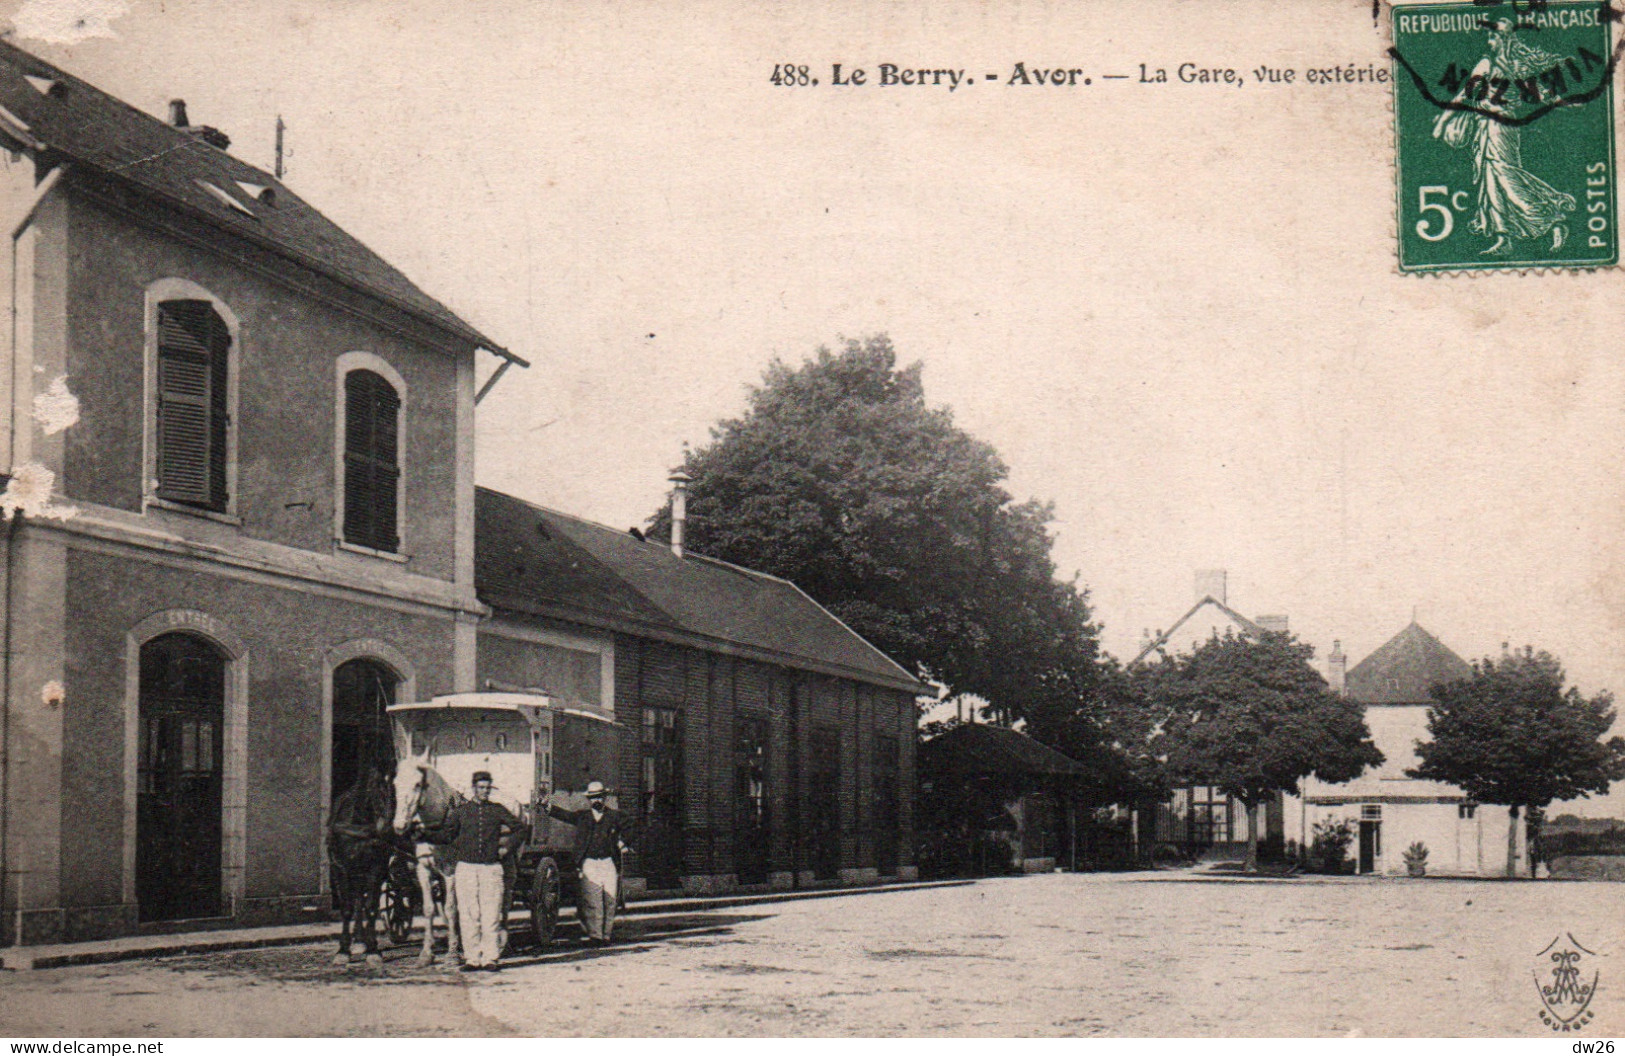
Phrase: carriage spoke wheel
[400,902]
[544,901]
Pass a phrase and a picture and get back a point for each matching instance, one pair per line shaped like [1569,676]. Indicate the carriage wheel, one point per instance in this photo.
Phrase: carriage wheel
[544,901]
[400,901]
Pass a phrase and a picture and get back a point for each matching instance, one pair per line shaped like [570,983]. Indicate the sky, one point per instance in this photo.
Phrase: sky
[1174,309]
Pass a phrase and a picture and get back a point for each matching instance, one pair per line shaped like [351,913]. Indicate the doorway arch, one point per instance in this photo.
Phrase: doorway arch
[361,733]
[180,770]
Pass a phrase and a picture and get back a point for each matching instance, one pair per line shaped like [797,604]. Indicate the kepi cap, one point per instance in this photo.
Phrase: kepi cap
[481,775]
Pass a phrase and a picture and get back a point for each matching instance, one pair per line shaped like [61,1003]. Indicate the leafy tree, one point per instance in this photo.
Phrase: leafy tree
[841,478]
[1112,732]
[1253,718]
[1510,734]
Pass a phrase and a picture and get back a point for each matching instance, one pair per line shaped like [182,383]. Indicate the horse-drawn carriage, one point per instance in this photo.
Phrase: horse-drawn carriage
[531,745]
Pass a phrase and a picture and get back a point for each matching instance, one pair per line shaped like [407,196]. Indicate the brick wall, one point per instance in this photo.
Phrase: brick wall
[710,690]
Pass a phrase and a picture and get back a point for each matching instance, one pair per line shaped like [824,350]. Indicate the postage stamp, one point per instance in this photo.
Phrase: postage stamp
[1505,135]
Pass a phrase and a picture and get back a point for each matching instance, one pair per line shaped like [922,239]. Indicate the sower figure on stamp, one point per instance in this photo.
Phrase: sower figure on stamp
[1512,202]
[479,832]
[601,832]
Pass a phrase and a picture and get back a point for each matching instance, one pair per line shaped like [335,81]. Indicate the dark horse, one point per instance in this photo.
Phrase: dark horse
[360,842]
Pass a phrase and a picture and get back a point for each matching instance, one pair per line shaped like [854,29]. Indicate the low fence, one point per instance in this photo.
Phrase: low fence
[1588,867]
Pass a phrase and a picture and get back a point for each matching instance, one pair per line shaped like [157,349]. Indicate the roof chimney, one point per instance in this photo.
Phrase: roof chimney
[212,136]
[679,509]
[1336,667]
[1210,583]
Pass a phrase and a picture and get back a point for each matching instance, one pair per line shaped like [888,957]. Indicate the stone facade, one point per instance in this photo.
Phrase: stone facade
[183,679]
[263,581]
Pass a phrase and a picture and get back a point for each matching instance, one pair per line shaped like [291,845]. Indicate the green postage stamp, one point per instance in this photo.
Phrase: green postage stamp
[1504,120]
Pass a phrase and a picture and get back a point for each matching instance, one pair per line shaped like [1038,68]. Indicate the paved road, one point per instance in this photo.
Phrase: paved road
[1043,955]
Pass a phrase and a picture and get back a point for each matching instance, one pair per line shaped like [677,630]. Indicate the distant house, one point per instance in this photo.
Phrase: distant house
[1389,810]
[1199,820]
[1209,618]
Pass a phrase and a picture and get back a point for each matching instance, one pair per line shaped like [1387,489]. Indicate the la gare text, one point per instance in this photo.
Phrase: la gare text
[1022,74]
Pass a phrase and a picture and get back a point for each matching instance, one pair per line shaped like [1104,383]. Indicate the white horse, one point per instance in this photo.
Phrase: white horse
[422,795]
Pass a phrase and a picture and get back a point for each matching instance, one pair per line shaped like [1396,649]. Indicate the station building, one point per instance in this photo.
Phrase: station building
[242,520]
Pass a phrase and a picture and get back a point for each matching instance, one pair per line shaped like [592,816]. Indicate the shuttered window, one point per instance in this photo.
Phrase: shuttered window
[372,413]
[194,349]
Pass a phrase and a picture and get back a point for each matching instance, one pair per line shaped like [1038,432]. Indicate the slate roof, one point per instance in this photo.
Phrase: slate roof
[1247,626]
[530,559]
[92,129]
[1402,669]
[977,748]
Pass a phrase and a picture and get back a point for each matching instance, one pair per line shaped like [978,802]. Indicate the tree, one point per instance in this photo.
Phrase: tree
[1510,734]
[841,478]
[1250,716]
[1112,733]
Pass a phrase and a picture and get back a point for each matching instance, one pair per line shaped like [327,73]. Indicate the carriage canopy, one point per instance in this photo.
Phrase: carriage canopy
[529,742]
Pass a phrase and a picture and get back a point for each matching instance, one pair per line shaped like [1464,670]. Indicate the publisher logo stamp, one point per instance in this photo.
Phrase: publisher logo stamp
[1505,135]
[1566,979]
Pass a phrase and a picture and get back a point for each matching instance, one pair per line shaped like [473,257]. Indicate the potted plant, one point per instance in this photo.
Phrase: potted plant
[1416,859]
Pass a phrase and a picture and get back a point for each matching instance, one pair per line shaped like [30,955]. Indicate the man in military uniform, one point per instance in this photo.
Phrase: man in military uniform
[479,831]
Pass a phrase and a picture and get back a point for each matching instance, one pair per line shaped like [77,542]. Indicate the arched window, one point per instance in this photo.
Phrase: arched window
[372,471]
[362,734]
[193,405]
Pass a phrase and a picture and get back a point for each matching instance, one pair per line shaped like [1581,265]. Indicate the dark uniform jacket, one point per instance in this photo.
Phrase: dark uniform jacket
[475,831]
[599,837]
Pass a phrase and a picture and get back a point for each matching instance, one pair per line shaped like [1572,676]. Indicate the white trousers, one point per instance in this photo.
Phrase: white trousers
[599,886]
[479,911]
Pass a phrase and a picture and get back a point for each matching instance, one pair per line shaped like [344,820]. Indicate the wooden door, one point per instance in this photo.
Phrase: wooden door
[885,805]
[178,791]
[824,803]
[1370,845]
[752,833]
[660,844]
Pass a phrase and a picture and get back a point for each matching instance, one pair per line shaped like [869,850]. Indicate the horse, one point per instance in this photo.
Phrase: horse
[360,844]
[423,797]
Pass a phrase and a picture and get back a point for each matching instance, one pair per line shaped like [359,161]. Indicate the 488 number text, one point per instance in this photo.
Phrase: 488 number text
[790,76]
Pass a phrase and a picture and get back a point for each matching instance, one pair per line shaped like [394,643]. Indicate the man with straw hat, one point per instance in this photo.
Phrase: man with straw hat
[600,831]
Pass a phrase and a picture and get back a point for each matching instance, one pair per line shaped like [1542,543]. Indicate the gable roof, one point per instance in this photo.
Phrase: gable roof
[49,112]
[1401,670]
[982,749]
[1247,626]
[530,559]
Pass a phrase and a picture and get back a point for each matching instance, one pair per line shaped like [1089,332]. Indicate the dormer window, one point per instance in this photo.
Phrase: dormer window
[258,191]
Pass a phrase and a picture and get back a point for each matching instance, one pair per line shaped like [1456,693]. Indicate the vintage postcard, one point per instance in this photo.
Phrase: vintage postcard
[1000,518]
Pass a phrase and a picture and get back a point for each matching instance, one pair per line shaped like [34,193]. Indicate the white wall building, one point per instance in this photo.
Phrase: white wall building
[1389,810]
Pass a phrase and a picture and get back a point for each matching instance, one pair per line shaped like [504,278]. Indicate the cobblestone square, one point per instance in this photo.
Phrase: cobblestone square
[1065,954]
